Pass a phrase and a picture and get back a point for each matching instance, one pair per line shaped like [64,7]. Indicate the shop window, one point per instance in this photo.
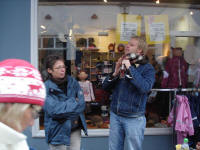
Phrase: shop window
[91,45]
[98,65]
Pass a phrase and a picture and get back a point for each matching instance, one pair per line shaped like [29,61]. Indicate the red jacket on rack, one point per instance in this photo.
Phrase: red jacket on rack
[177,68]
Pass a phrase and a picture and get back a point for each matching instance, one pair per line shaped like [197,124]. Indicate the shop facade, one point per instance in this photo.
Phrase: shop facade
[89,35]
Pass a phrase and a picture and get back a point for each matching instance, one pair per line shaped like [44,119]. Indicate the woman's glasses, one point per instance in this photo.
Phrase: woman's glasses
[60,67]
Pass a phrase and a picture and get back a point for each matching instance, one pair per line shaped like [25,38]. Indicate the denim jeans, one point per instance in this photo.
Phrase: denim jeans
[75,142]
[126,128]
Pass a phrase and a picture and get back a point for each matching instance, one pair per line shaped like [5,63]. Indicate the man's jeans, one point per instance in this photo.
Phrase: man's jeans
[126,128]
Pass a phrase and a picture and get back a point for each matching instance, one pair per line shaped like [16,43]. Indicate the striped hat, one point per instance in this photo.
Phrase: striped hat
[20,82]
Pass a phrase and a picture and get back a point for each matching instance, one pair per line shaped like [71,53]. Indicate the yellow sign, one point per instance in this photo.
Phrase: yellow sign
[157,29]
[127,26]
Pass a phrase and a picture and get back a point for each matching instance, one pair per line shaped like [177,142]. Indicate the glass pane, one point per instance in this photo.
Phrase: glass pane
[48,42]
[59,43]
[88,40]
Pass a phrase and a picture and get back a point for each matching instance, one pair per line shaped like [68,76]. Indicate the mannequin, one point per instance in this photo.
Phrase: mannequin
[111,47]
[121,48]
[91,43]
[175,74]
[86,86]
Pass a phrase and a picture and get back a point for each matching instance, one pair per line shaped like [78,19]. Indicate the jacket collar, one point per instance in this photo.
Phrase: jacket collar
[54,86]
[9,135]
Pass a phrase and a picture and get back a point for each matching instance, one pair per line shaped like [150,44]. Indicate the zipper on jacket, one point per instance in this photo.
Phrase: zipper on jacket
[118,101]
[139,102]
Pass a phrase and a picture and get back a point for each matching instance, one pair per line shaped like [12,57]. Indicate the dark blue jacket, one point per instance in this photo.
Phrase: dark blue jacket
[129,95]
[60,109]
[194,109]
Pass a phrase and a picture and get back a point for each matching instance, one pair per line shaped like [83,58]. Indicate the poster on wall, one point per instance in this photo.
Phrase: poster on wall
[127,26]
[157,29]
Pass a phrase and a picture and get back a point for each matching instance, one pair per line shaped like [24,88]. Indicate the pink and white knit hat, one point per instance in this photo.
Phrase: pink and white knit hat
[20,82]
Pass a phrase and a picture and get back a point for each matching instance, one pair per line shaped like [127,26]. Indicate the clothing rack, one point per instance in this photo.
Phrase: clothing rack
[178,89]
[175,90]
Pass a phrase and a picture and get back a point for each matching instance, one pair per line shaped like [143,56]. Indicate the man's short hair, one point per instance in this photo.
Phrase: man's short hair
[141,43]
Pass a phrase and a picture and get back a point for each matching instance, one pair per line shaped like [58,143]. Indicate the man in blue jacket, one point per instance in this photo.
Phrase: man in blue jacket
[132,79]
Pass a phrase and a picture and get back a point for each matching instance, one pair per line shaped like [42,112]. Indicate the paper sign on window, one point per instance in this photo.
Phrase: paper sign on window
[157,29]
[127,26]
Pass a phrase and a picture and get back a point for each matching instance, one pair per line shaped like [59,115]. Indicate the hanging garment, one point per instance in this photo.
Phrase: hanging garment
[195,112]
[183,125]
[196,81]
[87,90]
[176,68]
[194,108]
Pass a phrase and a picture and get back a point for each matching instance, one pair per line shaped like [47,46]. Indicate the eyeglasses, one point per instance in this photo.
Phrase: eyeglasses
[60,67]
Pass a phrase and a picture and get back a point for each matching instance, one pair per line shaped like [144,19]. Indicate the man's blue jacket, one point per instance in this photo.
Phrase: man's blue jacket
[129,94]
[60,109]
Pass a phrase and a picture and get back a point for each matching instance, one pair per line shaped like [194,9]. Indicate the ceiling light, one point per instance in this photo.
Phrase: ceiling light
[43,27]
[157,2]
[43,31]
[76,26]
[105,1]
[70,32]
[103,33]
[191,13]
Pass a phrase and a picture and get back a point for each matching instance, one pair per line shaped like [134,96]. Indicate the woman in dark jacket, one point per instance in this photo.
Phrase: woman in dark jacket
[64,107]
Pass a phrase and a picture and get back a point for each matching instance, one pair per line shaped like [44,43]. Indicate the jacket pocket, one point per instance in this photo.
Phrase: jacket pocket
[136,102]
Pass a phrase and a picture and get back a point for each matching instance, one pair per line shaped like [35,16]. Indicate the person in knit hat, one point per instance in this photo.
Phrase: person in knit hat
[63,108]
[22,94]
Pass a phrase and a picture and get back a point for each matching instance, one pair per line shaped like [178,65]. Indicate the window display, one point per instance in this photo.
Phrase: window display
[80,40]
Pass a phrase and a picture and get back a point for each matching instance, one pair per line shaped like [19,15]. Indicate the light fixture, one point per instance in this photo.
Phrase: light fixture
[48,17]
[191,13]
[157,1]
[70,32]
[103,33]
[76,26]
[94,17]
[43,31]
[105,1]
[43,27]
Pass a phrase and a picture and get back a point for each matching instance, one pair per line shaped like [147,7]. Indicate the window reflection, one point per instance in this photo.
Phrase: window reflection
[91,45]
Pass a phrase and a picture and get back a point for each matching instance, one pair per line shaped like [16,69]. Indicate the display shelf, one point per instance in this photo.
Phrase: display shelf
[94,61]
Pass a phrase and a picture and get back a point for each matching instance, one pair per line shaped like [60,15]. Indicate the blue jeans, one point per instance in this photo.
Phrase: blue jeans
[126,128]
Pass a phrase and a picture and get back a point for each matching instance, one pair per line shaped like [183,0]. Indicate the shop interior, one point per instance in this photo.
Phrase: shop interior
[89,43]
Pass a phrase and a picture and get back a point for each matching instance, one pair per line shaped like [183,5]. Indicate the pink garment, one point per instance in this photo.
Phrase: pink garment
[87,90]
[184,125]
[177,68]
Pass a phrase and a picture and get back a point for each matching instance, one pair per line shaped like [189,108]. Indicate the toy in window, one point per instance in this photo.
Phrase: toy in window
[120,47]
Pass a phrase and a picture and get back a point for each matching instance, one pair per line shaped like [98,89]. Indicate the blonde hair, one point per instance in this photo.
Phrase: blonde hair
[12,114]
[141,43]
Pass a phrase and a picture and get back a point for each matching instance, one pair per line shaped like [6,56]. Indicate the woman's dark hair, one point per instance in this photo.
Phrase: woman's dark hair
[52,59]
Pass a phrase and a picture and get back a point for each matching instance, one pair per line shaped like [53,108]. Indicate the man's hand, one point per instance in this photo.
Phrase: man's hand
[118,66]
[127,63]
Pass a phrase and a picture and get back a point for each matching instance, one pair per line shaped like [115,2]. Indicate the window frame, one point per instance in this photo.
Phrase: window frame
[102,132]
